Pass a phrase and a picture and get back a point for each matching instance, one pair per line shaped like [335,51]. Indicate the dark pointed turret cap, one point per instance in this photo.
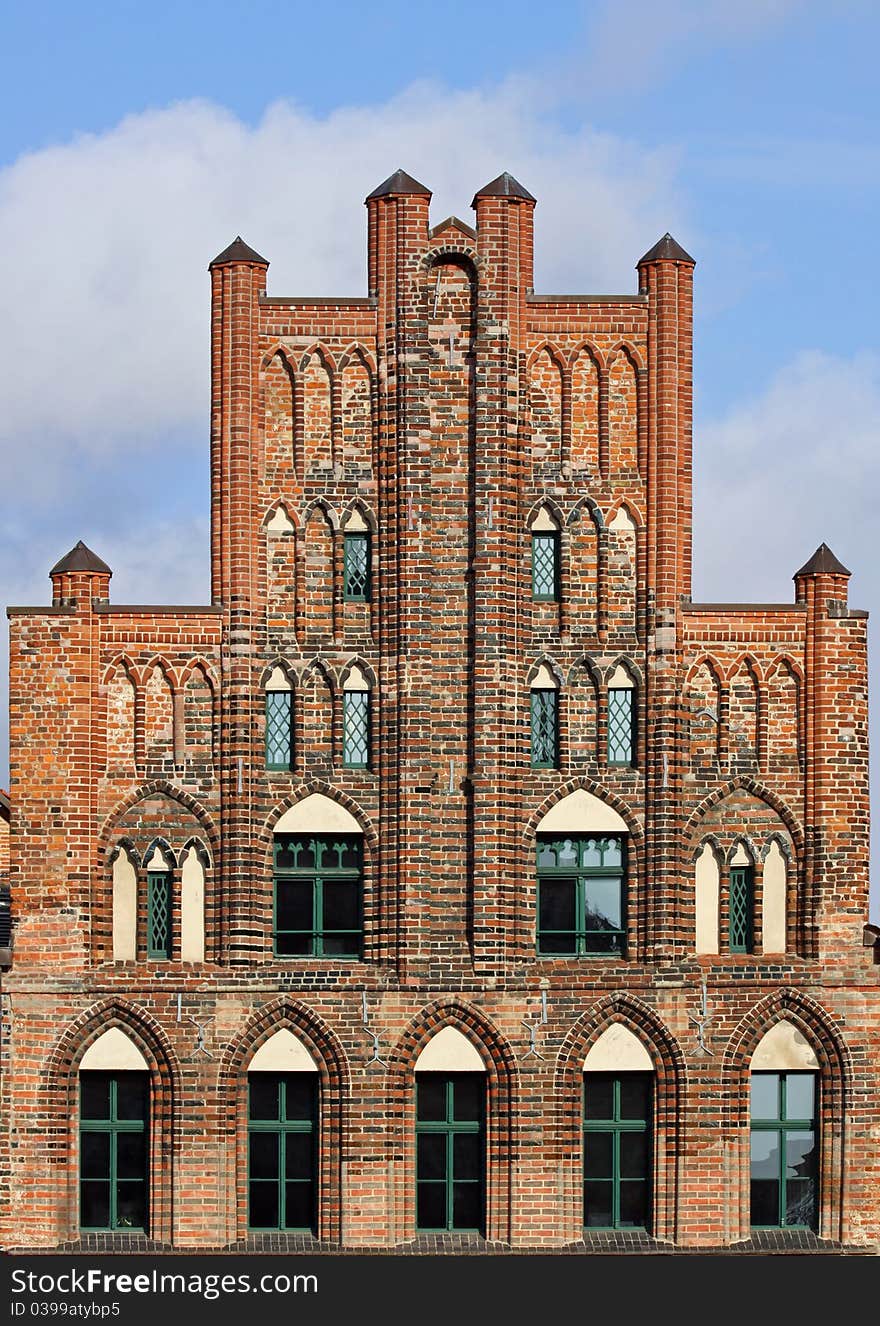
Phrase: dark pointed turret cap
[505,186]
[399,182]
[238,251]
[667,249]
[823,562]
[80,558]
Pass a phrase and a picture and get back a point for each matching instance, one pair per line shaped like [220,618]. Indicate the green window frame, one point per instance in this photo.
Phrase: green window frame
[545,728]
[356,729]
[581,895]
[356,575]
[784,1147]
[545,566]
[450,1151]
[283,1151]
[741,909]
[621,727]
[159,899]
[617,1150]
[318,895]
[279,729]
[114,1151]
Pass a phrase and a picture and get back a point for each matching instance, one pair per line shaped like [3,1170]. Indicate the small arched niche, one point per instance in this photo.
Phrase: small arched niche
[113,1051]
[450,1052]
[282,1053]
[784,1049]
[124,908]
[544,679]
[618,1050]
[581,812]
[317,814]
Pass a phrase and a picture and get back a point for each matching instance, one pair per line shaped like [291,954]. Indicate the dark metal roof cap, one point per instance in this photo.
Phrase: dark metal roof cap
[399,182]
[823,562]
[238,251]
[81,558]
[667,249]
[505,186]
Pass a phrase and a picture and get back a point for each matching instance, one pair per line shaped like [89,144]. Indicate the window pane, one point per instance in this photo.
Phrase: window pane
[263,1092]
[598,1212]
[299,1200]
[294,905]
[467,1202]
[431,1090]
[633,1205]
[94,1205]
[765,1202]
[431,1211]
[292,854]
[468,1093]
[95,1089]
[263,1206]
[765,1095]
[544,565]
[342,905]
[131,1155]
[544,727]
[299,1096]
[278,729]
[356,728]
[740,903]
[633,1155]
[598,1096]
[635,1095]
[800,1154]
[556,904]
[800,1090]
[95,1156]
[765,1178]
[612,855]
[592,852]
[337,944]
[620,726]
[298,1156]
[263,1155]
[131,1096]
[356,556]
[467,1150]
[546,855]
[800,1202]
[432,1156]
[294,945]
[602,904]
[603,941]
[598,1155]
[131,1205]
[765,1155]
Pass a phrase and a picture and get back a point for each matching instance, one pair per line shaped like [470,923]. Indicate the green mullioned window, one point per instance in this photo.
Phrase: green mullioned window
[318,895]
[545,729]
[356,729]
[159,914]
[617,1150]
[113,1151]
[545,566]
[282,1151]
[450,1146]
[581,895]
[784,1151]
[356,567]
[620,725]
[279,729]
[741,909]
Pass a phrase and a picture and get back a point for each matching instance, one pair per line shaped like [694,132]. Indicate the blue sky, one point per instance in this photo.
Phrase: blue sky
[136,141]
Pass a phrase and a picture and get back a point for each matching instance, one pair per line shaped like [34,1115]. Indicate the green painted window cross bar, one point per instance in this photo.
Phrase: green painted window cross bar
[282,1151]
[158,914]
[617,1150]
[113,1154]
[449,1151]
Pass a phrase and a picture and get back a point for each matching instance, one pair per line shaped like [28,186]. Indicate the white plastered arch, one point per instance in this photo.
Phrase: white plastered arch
[113,1051]
[317,814]
[784,1049]
[618,1050]
[282,1053]
[581,812]
[449,1052]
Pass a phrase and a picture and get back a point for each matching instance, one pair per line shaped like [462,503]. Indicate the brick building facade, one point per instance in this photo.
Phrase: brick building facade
[452,875]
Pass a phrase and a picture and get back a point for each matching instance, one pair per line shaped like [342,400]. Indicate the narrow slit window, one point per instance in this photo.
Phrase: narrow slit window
[356,729]
[356,567]
[545,566]
[158,914]
[620,725]
[545,729]
[279,729]
[741,909]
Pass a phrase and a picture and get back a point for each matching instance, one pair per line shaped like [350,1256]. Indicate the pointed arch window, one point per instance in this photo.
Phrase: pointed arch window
[279,721]
[545,719]
[356,720]
[114,1134]
[545,557]
[741,902]
[621,717]
[356,558]
[159,904]
[784,1151]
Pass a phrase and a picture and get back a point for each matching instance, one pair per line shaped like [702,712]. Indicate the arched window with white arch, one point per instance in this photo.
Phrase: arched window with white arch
[621,716]
[581,862]
[114,1136]
[544,700]
[450,1134]
[618,1108]
[545,556]
[282,1136]
[356,719]
[784,1109]
[278,720]
[318,859]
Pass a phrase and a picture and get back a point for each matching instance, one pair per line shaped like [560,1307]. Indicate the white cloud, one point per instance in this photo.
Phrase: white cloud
[104,303]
